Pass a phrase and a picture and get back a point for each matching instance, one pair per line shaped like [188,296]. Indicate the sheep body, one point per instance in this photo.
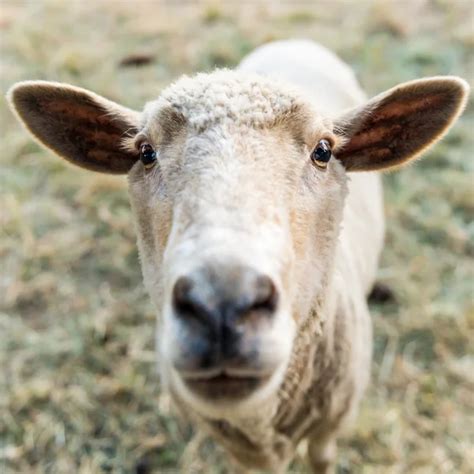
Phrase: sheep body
[330,366]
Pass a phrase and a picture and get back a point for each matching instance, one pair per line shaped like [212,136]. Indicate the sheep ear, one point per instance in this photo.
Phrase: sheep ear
[80,126]
[400,124]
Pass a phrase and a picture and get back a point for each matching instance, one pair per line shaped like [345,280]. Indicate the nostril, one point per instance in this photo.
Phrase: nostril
[266,295]
[186,303]
[182,296]
[182,289]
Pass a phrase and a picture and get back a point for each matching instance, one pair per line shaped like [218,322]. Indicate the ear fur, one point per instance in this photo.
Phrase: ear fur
[400,124]
[80,126]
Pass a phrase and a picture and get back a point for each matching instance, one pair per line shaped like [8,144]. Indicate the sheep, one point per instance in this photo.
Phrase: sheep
[258,207]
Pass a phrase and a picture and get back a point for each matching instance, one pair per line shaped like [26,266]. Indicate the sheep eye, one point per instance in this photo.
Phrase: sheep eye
[321,155]
[147,155]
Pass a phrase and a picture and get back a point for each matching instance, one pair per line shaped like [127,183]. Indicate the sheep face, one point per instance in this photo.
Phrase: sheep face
[236,228]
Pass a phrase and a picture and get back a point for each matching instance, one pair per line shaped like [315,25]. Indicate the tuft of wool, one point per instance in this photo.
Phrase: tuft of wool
[230,96]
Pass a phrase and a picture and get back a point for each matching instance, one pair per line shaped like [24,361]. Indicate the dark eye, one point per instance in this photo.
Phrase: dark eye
[321,155]
[147,155]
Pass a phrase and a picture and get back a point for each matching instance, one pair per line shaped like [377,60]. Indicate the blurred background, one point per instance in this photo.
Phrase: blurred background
[78,386]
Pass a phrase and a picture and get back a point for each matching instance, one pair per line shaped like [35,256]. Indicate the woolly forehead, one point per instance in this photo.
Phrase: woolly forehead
[231,99]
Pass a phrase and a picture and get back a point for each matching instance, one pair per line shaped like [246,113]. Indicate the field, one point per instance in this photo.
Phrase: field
[78,385]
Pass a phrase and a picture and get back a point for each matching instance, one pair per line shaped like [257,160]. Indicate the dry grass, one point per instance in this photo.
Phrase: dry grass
[78,389]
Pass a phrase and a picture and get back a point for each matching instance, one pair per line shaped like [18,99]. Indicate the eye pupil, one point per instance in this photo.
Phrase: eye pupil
[321,154]
[147,155]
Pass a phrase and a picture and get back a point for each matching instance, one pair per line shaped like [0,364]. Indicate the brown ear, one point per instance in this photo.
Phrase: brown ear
[82,127]
[398,125]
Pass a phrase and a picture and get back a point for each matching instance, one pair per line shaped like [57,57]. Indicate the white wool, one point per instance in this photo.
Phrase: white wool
[225,95]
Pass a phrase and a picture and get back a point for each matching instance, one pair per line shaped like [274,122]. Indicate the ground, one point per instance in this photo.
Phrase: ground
[78,385]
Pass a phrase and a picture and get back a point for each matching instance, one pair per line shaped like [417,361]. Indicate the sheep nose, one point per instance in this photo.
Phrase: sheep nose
[220,311]
[214,302]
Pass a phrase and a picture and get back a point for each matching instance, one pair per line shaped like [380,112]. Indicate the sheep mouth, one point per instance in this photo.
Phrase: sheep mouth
[224,386]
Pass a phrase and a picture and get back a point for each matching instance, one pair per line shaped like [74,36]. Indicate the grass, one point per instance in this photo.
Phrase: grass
[78,386]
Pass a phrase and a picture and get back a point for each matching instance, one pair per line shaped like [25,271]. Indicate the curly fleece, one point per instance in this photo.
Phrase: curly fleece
[229,96]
